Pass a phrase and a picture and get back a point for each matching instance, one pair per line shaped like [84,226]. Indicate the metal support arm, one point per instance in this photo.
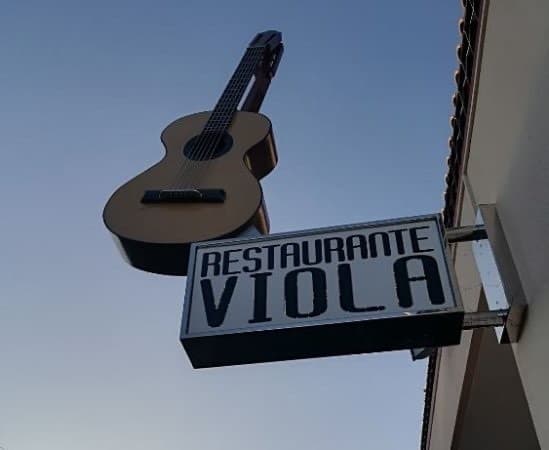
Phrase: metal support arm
[490,319]
[465,234]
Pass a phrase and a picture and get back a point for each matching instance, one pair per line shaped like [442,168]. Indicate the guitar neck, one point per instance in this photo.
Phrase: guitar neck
[227,104]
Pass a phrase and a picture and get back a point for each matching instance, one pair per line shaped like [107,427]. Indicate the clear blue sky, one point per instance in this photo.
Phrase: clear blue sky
[89,350]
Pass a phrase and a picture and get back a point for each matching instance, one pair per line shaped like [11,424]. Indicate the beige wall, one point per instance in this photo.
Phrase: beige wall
[495,410]
[452,364]
[508,165]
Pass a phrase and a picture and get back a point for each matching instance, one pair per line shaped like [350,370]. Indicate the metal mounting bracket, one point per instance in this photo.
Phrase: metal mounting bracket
[499,275]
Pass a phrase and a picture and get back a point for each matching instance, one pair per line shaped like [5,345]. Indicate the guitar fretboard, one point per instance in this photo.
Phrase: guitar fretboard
[227,104]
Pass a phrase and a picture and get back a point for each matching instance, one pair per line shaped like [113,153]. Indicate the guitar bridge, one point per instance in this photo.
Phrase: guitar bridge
[184,196]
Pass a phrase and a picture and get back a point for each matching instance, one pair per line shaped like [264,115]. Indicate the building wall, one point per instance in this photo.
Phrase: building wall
[509,166]
[452,364]
[496,413]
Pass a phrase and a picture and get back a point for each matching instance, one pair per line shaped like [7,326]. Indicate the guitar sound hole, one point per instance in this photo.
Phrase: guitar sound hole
[199,148]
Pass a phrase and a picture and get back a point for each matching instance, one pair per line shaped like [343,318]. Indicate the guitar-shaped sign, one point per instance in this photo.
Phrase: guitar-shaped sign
[206,186]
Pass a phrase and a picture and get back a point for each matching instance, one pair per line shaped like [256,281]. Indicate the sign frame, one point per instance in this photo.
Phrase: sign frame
[324,337]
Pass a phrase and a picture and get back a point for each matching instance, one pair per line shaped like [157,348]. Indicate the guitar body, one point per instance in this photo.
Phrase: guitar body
[156,237]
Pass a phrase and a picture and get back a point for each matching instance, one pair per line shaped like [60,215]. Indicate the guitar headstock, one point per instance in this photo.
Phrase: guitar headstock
[271,43]
[270,40]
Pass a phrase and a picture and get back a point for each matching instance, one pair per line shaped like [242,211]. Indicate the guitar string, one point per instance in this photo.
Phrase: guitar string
[239,90]
[226,113]
[215,138]
[203,141]
[220,119]
[187,163]
[190,161]
[237,93]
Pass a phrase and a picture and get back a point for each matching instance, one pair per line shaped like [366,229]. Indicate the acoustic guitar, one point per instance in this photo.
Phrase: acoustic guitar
[206,186]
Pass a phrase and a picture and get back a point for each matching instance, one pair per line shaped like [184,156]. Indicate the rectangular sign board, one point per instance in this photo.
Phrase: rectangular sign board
[341,290]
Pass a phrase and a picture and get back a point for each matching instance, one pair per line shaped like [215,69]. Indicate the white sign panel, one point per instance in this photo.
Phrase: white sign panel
[311,280]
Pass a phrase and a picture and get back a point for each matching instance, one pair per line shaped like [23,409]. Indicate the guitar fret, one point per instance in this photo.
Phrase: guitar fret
[228,103]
